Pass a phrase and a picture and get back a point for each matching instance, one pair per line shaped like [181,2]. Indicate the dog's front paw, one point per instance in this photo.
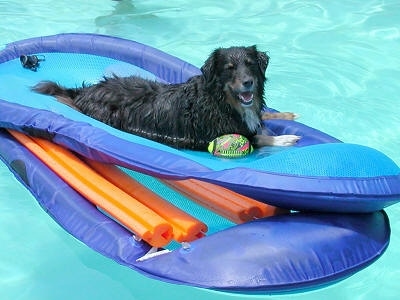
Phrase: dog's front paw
[279,115]
[285,140]
[291,116]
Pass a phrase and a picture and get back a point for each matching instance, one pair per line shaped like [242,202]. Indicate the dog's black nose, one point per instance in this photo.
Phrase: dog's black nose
[248,83]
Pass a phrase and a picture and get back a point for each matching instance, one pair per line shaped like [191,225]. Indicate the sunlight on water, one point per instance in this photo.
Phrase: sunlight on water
[336,63]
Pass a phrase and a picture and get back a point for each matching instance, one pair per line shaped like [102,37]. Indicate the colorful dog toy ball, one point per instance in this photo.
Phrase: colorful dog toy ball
[230,146]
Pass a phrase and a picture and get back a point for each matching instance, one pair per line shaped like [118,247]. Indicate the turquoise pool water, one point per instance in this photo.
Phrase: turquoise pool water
[334,63]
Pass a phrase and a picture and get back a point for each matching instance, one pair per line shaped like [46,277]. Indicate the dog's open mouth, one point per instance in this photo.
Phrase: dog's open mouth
[246,98]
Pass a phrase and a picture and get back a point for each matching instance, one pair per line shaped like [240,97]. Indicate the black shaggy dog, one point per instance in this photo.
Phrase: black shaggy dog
[226,98]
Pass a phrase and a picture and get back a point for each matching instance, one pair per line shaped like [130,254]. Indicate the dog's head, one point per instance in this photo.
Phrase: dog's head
[240,73]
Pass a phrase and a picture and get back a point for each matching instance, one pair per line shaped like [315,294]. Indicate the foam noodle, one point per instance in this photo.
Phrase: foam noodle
[229,204]
[144,222]
[186,228]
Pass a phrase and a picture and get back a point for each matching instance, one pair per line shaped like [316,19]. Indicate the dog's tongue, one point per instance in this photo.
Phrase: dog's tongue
[246,97]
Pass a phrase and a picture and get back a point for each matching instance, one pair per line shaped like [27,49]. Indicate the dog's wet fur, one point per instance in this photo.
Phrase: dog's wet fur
[227,97]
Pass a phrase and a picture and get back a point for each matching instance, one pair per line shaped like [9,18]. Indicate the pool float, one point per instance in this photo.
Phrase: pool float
[338,190]
[319,174]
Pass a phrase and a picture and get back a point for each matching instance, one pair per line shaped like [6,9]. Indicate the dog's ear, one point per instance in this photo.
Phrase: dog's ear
[209,67]
[263,60]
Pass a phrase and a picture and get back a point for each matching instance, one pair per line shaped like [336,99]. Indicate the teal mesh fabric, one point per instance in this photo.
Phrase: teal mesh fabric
[331,160]
[214,222]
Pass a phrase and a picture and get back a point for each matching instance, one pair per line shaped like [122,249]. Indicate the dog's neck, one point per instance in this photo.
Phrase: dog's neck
[251,119]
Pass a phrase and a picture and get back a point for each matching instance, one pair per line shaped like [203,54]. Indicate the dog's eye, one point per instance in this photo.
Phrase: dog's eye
[250,62]
[229,66]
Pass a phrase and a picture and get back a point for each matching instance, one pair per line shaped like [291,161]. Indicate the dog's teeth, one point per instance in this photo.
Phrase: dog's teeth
[246,96]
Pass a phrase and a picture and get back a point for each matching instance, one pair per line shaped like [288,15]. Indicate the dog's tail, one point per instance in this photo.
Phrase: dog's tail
[62,94]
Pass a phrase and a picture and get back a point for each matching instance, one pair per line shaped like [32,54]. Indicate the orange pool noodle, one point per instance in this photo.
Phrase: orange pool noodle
[229,204]
[144,222]
[186,228]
